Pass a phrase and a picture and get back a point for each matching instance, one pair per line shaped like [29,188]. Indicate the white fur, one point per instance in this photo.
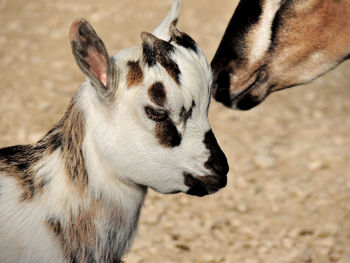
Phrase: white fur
[260,36]
[24,237]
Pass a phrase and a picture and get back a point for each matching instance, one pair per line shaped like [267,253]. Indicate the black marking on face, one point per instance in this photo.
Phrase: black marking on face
[164,50]
[157,94]
[149,54]
[184,40]
[157,50]
[185,115]
[217,161]
[167,134]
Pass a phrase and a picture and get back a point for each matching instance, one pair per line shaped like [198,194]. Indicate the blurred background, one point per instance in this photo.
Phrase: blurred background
[288,194]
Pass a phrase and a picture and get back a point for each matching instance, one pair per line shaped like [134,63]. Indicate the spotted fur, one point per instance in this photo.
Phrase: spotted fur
[182,39]
[77,236]
[187,114]
[167,134]
[157,94]
[18,161]
[80,235]
[157,50]
[21,161]
[290,42]
[135,74]
[73,132]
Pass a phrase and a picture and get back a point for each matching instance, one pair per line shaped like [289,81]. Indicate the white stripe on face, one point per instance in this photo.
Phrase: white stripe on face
[260,36]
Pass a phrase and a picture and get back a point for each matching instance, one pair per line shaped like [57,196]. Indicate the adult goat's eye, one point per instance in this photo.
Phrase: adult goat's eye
[156,114]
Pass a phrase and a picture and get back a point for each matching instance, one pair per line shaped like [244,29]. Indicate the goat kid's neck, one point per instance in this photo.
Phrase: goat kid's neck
[85,190]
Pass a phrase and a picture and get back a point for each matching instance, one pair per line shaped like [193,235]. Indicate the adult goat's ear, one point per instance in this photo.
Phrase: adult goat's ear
[92,57]
[163,30]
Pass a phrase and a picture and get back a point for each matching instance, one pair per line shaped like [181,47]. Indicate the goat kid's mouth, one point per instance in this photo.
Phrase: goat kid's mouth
[204,185]
[243,99]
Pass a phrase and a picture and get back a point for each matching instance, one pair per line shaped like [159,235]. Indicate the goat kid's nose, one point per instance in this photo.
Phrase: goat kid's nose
[217,160]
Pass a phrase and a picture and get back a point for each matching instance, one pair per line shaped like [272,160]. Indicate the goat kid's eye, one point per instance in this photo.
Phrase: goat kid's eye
[157,115]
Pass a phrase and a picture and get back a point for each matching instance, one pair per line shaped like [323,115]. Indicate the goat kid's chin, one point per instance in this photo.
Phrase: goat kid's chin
[197,185]
[204,185]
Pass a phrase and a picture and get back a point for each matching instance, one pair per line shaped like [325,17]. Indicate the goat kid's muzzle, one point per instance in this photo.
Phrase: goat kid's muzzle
[216,164]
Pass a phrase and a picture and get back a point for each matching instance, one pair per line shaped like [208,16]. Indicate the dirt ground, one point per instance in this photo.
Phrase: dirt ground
[288,195]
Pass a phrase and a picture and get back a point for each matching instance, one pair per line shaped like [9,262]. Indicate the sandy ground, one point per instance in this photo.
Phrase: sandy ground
[288,195]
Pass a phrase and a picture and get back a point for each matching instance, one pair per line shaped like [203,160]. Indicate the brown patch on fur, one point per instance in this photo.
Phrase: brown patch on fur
[157,94]
[84,241]
[135,74]
[73,132]
[76,235]
[19,161]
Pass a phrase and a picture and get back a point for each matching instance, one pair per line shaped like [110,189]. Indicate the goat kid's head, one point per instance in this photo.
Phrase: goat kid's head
[148,118]
[271,45]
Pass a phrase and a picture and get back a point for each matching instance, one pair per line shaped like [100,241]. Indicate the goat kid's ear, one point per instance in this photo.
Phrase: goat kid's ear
[163,31]
[92,57]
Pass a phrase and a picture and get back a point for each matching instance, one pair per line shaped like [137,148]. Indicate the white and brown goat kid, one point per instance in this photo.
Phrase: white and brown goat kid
[140,120]
[271,45]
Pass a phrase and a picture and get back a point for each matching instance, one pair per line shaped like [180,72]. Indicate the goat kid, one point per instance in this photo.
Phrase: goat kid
[139,120]
[271,45]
